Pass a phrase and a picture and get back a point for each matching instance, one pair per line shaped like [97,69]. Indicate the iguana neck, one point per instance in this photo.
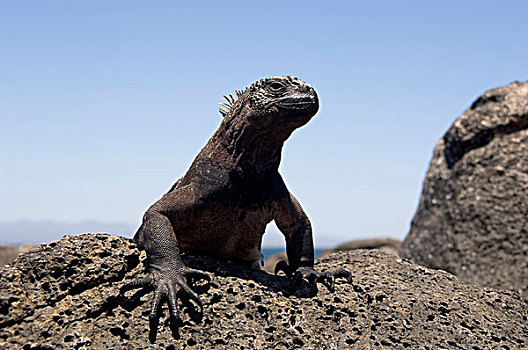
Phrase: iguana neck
[242,147]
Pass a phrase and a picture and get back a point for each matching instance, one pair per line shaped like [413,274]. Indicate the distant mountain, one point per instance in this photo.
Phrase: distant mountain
[35,232]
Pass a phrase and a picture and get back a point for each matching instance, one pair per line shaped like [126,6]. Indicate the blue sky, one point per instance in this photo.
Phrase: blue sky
[104,104]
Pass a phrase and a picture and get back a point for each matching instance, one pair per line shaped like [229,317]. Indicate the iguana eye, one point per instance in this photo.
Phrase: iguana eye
[276,87]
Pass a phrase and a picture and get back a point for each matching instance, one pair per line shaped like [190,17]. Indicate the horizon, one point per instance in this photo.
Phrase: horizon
[21,232]
[105,105]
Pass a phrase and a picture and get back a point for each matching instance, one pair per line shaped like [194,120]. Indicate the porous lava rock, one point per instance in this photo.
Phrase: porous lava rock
[473,211]
[66,294]
[269,263]
[387,245]
[9,253]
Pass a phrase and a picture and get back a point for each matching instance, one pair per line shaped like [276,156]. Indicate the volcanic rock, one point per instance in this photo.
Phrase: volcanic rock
[387,245]
[473,212]
[9,253]
[269,263]
[66,294]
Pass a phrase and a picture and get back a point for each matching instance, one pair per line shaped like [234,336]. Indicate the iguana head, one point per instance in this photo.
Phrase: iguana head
[274,103]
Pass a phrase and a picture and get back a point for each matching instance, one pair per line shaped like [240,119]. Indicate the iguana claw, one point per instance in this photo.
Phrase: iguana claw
[168,283]
[284,267]
[326,277]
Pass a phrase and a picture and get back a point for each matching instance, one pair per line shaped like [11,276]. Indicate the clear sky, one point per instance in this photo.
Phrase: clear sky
[104,104]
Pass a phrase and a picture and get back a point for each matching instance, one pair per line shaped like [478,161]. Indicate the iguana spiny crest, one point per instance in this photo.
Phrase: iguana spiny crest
[275,95]
[232,190]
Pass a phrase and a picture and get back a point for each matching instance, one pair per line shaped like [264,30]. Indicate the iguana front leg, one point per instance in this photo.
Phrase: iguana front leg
[296,227]
[166,272]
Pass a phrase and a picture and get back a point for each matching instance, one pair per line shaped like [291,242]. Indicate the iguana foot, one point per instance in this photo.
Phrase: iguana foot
[168,283]
[312,276]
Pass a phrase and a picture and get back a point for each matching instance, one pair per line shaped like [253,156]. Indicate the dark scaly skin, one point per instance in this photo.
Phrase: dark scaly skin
[232,190]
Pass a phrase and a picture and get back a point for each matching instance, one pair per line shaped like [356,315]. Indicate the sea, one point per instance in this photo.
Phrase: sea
[267,252]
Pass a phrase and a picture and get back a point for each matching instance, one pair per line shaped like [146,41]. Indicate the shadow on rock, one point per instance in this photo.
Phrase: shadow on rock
[66,294]
[274,283]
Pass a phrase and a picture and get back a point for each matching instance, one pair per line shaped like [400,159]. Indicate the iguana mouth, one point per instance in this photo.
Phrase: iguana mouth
[232,190]
[303,103]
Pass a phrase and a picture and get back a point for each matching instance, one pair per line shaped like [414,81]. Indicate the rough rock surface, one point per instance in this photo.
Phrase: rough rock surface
[387,245]
[269,264]
[65,294]
[9,253]
[473,212]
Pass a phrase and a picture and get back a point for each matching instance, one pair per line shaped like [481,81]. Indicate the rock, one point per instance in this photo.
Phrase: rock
[473,212]
[387,245]
[269,264]
[9,253]
[65,294]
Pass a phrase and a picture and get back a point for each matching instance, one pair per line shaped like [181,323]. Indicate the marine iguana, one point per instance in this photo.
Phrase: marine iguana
[232,190]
